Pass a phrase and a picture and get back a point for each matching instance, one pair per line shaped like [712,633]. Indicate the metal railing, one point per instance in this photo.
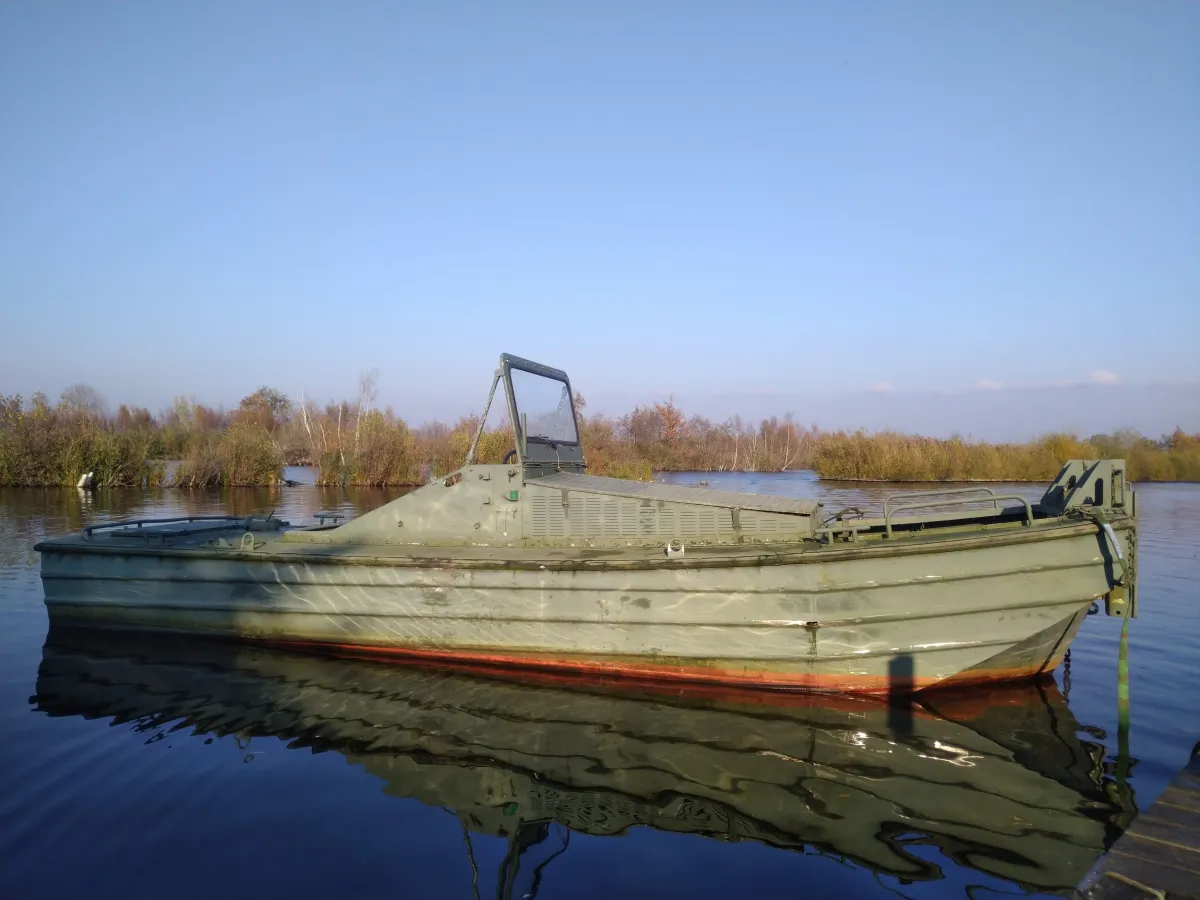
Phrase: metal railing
[135,525]
[944,492]
[891,510]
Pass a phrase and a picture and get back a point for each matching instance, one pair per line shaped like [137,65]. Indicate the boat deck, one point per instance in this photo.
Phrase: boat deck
[253,540]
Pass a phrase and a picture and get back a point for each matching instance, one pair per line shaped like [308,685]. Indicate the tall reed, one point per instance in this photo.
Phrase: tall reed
[888,456]
[44,446]
[244,454]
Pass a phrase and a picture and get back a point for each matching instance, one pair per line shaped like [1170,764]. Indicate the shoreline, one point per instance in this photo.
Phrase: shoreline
[409,486]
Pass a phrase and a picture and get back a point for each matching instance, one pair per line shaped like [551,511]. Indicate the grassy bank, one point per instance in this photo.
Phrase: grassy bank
[351,443]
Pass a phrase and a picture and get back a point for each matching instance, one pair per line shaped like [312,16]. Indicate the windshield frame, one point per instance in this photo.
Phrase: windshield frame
[532,368]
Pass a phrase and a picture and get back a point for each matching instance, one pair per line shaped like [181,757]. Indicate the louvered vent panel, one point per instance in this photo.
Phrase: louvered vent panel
[576,515]
[751,521]
[629,516]
[556,522]
[768,523]
[675,493]
[611,520]
[538,525]
[594,514]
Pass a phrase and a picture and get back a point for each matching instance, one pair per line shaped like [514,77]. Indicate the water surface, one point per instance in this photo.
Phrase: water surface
[131,767]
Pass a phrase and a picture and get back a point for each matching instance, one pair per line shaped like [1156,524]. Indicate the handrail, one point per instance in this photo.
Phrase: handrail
[943,492]
[837,516]
[961,501]
[90,530]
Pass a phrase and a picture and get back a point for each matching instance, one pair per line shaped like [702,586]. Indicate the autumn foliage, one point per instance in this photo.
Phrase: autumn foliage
[356,443]
[43,446]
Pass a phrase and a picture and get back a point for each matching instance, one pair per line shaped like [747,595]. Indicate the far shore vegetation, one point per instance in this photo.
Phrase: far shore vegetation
[355,443]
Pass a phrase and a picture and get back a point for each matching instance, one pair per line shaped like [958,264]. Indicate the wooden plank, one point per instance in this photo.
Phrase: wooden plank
[1159,856]
[1180,798]
[1132,878]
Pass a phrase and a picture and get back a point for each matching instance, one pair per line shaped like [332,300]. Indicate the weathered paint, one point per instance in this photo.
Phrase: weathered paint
[856,621]
[540,564]
[712,674]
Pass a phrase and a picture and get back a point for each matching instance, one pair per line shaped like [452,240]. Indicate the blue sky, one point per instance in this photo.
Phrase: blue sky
[705,199]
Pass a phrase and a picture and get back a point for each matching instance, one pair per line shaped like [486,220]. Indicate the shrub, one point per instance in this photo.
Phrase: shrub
[41,446]
[244,454]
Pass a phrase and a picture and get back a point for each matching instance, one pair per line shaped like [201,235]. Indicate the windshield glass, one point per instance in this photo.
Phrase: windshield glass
[544,406]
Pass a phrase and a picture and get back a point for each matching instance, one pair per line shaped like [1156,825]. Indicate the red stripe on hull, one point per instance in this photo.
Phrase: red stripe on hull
[660,674]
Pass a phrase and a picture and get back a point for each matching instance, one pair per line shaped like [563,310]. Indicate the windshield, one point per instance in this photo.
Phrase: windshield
[544,407]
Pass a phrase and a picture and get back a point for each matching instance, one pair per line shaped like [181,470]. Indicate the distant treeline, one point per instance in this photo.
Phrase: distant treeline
[354,443]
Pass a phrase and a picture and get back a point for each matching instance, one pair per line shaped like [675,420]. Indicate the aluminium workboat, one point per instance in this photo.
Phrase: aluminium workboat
[535,563]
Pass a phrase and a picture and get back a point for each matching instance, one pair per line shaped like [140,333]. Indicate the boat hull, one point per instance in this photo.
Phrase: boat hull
[874,620]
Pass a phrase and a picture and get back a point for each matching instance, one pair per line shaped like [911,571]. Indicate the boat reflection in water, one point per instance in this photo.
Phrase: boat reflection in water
[998,781]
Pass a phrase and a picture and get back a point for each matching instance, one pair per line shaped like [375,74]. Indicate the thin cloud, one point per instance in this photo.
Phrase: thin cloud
[988,385]
[881,387]
[1103,376]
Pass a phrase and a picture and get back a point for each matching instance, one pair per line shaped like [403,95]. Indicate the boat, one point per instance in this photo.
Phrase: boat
[533,563]
[1001,780]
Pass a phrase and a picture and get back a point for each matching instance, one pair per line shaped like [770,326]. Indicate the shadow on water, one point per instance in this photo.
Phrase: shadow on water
[998,780]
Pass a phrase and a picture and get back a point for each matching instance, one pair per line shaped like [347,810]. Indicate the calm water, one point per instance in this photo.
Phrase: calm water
[133,767]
